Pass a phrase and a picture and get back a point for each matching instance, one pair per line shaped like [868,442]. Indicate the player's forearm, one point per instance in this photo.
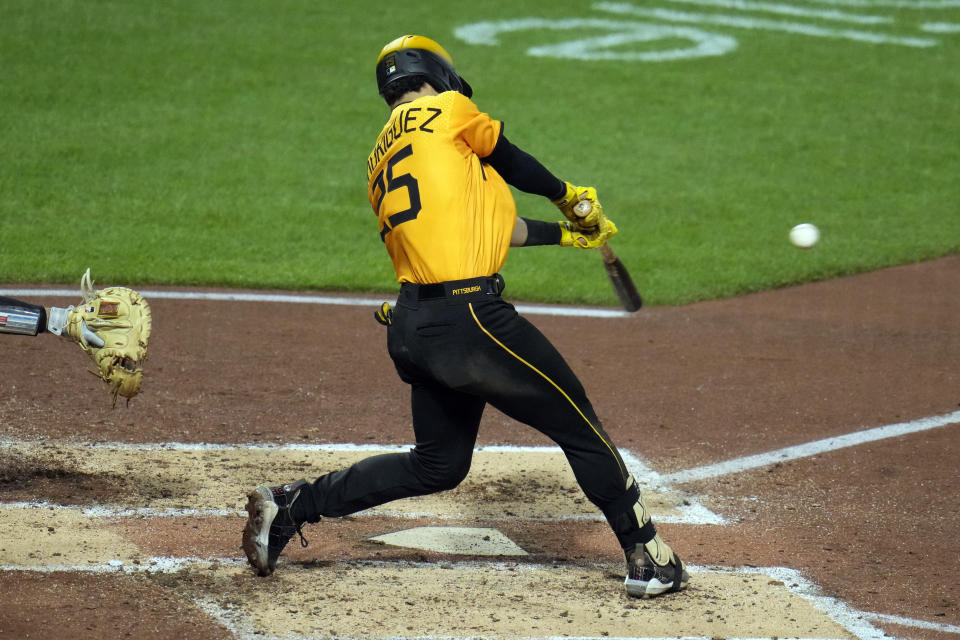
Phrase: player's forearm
[533,233]
[523,171]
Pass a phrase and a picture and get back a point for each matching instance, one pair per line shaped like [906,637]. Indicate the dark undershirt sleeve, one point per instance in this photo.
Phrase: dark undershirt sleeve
[523,171]
[540,233]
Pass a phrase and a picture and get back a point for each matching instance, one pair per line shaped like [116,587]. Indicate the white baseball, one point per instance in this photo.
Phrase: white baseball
[804,235]
[583,208]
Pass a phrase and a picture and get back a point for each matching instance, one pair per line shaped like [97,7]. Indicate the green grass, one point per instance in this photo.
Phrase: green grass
[224,143]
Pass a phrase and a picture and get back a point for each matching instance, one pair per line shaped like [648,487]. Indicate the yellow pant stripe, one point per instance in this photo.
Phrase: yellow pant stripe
[555,386]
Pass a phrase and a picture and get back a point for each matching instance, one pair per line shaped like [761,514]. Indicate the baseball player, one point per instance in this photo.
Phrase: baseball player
[438,179]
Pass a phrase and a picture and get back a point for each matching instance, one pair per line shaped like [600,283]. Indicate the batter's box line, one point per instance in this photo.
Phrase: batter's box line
[153,564]
[853,620]
[691,510]
[105,511]
[809,449]
[910,622]
[692,514]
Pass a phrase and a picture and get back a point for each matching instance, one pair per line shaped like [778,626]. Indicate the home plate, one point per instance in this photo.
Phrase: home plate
[474,541]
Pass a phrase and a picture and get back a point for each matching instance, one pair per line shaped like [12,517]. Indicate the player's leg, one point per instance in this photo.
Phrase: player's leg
[22,318]
[445,428]
[523,375]
[531,382]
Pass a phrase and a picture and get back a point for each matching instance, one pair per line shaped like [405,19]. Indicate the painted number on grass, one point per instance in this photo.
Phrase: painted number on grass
[677,34]
[614,45]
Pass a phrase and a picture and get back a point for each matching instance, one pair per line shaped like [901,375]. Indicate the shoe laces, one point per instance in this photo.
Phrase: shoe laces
[298,526]
[303,540]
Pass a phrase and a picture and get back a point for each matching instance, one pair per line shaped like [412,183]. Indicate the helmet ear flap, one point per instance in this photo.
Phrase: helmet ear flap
[465,87]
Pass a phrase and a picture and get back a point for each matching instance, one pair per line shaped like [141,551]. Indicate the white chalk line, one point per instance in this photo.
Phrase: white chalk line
[790,10]
[529,309]
[694,513]
[155,564]
[691,511]
[241,627]
[940,27]
[741,22]
[806,450]
[911,622]
[851,619]
[838,611]
[107,511]
[896,4]
[823,446]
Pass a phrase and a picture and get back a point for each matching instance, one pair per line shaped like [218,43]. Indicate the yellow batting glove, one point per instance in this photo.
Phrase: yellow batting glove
[384,315]
[572,236]
[568,206]
[589,215]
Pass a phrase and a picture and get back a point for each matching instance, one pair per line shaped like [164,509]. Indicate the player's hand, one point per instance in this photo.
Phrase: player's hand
[573,196]
[384,315]
[57,320]
[572,236]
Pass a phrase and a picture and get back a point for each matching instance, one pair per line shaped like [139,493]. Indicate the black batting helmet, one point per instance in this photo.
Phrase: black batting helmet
[419,56]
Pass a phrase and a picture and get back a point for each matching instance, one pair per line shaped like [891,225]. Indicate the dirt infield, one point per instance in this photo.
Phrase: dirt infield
[105,538]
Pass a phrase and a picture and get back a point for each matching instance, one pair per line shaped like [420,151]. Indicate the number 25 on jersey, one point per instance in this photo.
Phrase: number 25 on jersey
[393,182]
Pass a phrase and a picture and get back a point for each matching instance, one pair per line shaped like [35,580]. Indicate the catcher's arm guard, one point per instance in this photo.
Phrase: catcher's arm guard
[119,319]
[57,319]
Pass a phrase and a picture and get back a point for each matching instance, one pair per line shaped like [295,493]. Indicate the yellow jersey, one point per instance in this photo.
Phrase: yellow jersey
[443,214]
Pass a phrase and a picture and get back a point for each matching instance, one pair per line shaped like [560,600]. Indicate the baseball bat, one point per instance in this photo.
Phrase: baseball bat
[620,278]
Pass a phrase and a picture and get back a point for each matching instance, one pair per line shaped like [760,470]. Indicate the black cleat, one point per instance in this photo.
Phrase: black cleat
[269,525]
[645,578]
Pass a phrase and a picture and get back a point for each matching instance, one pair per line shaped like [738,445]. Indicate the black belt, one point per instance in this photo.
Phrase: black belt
[458,289]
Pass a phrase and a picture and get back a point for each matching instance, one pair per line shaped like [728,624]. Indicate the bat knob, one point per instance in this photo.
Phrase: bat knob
[583,208]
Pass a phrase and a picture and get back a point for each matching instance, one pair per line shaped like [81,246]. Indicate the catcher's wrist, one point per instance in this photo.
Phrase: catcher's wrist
[57,319]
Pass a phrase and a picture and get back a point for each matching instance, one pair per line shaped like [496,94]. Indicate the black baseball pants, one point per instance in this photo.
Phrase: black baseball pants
[460,346]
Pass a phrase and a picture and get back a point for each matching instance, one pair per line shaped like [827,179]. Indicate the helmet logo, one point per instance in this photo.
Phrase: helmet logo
[391,65]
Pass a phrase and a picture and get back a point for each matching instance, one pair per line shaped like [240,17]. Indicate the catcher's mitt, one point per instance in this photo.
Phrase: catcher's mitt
[121,318]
